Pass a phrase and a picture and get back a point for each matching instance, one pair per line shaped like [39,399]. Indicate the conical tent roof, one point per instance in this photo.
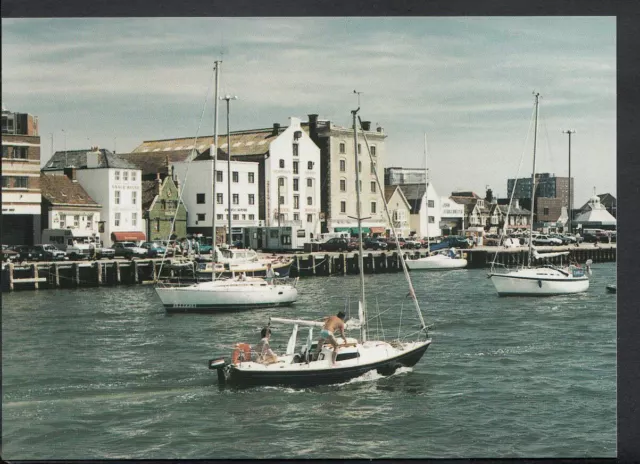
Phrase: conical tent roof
[597,214]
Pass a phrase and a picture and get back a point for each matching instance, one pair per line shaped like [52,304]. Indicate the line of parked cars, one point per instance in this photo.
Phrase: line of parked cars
[381,243]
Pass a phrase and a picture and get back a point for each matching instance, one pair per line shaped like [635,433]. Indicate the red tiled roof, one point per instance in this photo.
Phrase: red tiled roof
[60,190]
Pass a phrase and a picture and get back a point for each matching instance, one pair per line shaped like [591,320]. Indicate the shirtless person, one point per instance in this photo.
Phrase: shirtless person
[331,325]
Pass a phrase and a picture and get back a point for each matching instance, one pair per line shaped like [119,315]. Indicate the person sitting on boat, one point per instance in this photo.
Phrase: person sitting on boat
[452,253]
[270,274]
[331,325]
[242,276]
[263,350]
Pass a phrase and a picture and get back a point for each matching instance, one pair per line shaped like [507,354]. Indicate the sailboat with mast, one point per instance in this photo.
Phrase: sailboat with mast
[355,357]
[541,280]
[219,293]
[441,261]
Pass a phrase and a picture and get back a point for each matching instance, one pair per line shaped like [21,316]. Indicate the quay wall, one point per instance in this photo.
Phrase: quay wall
[145,271]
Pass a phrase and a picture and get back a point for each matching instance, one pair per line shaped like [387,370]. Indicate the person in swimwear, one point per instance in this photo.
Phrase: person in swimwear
[331,325]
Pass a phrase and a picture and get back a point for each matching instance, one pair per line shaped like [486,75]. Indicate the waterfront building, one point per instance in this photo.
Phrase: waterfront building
[518,217]
[164,214]
[607,200]
[445,216]
[477,210]
[399,209]
[157,163]
[401,176]
[110,181]
[595,216]
[338,177]
[196,180]
[287,177]
[21,196]
[552,194]
[67,205]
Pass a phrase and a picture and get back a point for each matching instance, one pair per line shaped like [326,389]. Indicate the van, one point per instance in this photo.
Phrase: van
[75,243]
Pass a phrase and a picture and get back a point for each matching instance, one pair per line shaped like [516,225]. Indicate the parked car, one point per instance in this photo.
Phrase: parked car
[154,249]
[565,239]
[29,253]
[391,242]
[50,252]
[546,240]
[452,241]
[412,243]
[374,244]
[336,244]
[9,254]
[103,252]
[129,250]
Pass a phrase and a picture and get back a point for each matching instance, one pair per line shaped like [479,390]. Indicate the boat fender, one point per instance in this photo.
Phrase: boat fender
[540,283]
[242,352]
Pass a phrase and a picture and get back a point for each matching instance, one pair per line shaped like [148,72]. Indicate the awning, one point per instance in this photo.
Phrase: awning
[355,231]
[133,236]
[342,229]
[377,230]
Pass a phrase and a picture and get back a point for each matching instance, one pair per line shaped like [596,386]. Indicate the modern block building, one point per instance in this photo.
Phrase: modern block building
[21,196]
[402,176]
[552,194]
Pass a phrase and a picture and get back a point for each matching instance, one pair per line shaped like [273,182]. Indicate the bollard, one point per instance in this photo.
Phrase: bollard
[10,276]
[98,271]
[35,276]
[118,275]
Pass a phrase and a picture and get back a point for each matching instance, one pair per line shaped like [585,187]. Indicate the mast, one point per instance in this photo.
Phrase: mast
[570,203]
[363,326]
[533,181]
[426,191]
[214,156]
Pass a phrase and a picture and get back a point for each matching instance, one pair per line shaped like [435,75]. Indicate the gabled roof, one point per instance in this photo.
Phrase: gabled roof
[60,190]
[156,162]
[250,142]
[390,190]
[513,212]
[414,194]
[148,193]
[78,159]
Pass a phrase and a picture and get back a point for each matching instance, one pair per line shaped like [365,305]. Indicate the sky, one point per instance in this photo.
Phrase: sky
[465,82]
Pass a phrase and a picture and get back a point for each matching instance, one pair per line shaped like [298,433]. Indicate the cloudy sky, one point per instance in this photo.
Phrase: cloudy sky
[465,82]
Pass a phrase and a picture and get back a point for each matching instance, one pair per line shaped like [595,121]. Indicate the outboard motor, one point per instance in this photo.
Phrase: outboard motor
[220,365]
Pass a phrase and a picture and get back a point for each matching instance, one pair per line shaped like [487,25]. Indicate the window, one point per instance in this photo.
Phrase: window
[373,150]
[201,216]
[281,200]
[219,217]
[219,198]
[296,202]
[310,165]
[252,179]
[134,219]
[21,182]
[5,182]
[342,147]
[218,176]
[234,176]
[343,165]
[280,181]
[309,201]
[296,216]
[431,203]
[431,219]
[200,198]
[134,176]
[244,217]
[343,185]
[545,211]
[63,221]
[281,164]
[359,166]
[295,149]
[116,221]
[373,207]
[309,182]
[116,175]
[359,148]
[117,197]
[236,198]
[373,168]
[343,206]
[163,204]
[76,220]
[373,187]
[309,217]
[125,176]
[236,217]
[134,198]
[295,167]
[252,199]
[157,224]
[295,185]
[252,217]
[5,152]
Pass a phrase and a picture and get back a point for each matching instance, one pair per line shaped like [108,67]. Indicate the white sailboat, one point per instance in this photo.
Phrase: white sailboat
[228,261]
[540,280]
[355,357]
[237,292]
[443,260]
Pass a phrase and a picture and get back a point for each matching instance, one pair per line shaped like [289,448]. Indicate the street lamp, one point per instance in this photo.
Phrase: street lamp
[228,98]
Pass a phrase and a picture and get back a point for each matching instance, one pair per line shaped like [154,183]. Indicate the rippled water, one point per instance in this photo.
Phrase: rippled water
[106,373]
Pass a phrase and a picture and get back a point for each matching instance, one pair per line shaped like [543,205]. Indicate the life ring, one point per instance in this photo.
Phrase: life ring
[241,349]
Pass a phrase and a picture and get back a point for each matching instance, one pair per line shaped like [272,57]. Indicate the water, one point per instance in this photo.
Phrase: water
[106,373]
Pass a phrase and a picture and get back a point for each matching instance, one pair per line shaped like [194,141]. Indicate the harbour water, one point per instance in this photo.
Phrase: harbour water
[106,373]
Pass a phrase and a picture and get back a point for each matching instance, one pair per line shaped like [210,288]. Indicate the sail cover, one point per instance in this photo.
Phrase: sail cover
[537,255]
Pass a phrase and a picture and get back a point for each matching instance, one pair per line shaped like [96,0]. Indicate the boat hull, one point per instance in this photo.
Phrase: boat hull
[205,297]
[612,288]
[530,283]
[435,263]
[302,378]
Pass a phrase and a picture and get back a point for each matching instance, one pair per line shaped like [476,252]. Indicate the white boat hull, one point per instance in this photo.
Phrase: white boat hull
[436,263]
[226,294]
[538,282]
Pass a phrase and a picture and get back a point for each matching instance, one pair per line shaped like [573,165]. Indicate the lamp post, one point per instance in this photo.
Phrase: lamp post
[570,207]
[228,98]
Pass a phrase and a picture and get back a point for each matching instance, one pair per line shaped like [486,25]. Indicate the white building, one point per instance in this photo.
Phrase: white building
[432,214]
[399,209]
[110,182]
[195,177]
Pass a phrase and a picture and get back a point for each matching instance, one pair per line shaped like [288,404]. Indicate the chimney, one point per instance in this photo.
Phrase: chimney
[276,128]
[70,172]
[93,158]
[366,125]
[313,127]
[158,184]
[380,129]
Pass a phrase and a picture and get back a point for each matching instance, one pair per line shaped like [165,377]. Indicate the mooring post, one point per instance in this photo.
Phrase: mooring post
[35,276]
[76,273]
[56,274]
[98,271]
[10,276]
[117,272]
[134,280]
[344,264]
[313,264]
